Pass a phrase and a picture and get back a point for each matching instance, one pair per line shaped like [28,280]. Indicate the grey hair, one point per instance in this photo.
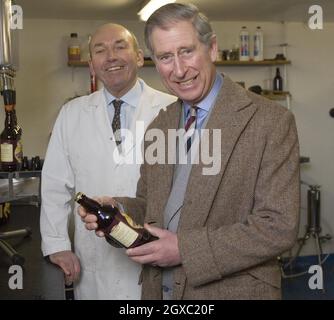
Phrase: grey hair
[171,13]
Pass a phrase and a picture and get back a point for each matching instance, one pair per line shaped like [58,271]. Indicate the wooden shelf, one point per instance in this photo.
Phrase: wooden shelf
[75,63]
[270,62]
[276,95]
[150,63]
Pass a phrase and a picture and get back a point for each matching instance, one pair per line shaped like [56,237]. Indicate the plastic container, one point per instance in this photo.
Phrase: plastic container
[74,51]
[258,44]
[244,44]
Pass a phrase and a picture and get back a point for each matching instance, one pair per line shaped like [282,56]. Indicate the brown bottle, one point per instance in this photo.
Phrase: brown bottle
[278,81]
[8,144]
[119,229]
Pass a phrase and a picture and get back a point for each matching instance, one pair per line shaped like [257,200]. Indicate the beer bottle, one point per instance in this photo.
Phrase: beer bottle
[119,229]
[278,81]
[8,144]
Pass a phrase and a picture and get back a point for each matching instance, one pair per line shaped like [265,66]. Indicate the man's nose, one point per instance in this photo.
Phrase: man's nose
[179,67]
[111,53]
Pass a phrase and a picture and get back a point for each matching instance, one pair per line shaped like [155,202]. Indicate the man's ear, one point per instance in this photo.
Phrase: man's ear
[140,58]
[213,49]
[91,69]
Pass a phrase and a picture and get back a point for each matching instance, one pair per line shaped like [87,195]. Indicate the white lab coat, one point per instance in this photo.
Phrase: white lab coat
[80,158]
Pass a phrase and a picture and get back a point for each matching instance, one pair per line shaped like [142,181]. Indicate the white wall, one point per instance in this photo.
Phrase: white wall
[311,82]
[44,82]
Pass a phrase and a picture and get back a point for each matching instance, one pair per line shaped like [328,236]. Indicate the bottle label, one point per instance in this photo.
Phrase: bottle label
[244,42]
[18,152]
[124,234]
[6,150]
[74,50]
[74,53]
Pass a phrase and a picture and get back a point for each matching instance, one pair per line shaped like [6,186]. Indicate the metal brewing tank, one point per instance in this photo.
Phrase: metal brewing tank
[5,33]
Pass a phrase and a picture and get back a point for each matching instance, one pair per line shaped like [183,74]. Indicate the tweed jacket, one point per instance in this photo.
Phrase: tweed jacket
[233,224]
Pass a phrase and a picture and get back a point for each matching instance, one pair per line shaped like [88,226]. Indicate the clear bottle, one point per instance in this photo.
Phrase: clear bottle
[244,44]
[278,81]
[74,51]
[8,144]
[119,229]
[258,44]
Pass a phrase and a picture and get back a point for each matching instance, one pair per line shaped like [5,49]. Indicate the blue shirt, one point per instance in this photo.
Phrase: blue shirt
[128,109]
[206,104]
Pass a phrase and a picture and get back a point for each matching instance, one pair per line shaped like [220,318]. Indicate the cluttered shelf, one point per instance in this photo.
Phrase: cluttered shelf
[150,63]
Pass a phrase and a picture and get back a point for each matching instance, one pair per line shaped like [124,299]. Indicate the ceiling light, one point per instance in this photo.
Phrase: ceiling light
[151,7]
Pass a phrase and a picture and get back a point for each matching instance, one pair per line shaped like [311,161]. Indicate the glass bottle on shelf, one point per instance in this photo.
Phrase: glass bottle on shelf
[8,144]
[74,51]
[278,81]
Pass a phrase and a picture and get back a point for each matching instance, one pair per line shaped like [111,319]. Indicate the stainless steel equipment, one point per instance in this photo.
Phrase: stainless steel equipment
[7,74]
[7,69]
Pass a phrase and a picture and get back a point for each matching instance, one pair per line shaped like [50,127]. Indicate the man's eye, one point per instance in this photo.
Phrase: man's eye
[166,58]
[121,47]
[186,52]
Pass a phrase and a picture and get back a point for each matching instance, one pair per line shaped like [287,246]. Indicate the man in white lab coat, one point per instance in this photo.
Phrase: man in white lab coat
[83,156]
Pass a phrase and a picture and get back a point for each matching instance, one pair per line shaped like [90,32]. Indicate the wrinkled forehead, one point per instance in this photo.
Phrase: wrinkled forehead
[181,34]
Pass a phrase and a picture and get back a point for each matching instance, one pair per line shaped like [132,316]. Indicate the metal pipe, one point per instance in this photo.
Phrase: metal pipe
[7,71]
[5,33]
[313,209]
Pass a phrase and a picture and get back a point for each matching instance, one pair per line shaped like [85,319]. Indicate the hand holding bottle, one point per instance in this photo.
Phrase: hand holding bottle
[161,253]
[89,219]
[118,227]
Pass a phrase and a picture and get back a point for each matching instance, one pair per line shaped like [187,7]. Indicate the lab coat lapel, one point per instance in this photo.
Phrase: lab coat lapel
[98,107]
[146,110]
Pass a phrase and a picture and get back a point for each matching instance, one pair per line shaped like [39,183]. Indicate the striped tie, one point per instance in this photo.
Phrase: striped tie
[190,126]
[116,122]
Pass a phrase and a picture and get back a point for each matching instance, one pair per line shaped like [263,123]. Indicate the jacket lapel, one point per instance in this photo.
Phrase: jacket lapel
[231,113]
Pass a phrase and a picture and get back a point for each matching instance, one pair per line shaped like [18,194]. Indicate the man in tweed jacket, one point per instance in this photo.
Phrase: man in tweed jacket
[232,225]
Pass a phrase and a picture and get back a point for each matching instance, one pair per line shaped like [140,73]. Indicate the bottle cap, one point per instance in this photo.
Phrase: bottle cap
[78,196]
[74,35]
